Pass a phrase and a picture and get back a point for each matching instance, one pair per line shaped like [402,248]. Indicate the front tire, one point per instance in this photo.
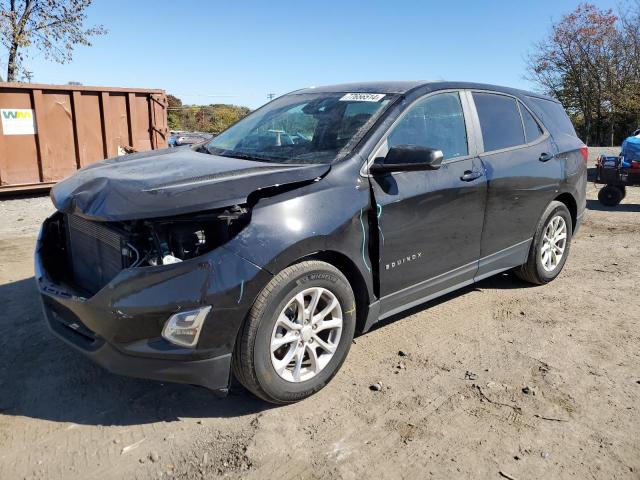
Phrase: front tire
[297,334]
[550,247]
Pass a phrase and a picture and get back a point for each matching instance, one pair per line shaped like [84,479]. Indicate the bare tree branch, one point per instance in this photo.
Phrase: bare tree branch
[53,27]
[591,63]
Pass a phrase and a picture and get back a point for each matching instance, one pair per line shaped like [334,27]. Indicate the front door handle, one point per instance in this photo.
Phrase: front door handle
[470,176]
[545,157]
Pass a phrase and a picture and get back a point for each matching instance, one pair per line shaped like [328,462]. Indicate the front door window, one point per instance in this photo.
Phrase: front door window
[434,122]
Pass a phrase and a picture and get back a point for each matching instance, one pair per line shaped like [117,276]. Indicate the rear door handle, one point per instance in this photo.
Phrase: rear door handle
[470,176]
[545,157]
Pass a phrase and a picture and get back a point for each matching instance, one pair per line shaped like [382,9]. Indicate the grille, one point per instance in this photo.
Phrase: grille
[96,253]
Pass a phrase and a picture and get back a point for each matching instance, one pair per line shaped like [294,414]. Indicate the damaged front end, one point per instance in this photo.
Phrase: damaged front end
[181,238]
[134,295]
[134,268]
[88,254]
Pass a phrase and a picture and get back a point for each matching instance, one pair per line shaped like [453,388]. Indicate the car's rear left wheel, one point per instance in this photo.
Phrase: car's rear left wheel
[297,334]
[550,246]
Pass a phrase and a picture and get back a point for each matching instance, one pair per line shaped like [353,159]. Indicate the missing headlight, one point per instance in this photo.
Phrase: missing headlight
[171,240]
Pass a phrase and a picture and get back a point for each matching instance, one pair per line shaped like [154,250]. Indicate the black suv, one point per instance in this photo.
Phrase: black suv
[263,250]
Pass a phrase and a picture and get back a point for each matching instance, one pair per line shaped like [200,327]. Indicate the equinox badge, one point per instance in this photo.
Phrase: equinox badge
[400,261]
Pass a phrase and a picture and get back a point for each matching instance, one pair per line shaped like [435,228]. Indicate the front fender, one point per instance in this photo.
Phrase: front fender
[320,217]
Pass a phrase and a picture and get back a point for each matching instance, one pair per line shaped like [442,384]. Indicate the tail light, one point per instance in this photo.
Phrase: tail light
[584,151]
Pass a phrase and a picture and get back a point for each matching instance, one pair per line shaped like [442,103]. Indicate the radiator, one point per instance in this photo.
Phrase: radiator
[95,253]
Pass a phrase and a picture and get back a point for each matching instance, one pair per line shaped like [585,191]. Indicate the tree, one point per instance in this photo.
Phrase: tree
[202,118]
[591,63]
[630,104]
[173,101]
[53,27]
[173,108]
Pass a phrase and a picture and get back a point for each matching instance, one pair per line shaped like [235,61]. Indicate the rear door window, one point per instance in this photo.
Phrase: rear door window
[434,122]
[532,130]
[499,121]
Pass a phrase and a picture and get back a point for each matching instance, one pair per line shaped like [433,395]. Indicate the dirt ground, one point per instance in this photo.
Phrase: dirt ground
[500,380]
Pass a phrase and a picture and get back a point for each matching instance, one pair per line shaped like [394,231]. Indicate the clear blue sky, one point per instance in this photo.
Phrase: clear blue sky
[246,49]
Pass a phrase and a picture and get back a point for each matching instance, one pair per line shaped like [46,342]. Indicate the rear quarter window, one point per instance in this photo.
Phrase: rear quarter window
[552,115]
[531,128]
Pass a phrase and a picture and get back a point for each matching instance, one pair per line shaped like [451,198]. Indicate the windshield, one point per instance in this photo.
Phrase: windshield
[301,128]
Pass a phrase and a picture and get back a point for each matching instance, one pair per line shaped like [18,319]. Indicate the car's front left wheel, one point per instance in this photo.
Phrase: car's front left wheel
[297,334]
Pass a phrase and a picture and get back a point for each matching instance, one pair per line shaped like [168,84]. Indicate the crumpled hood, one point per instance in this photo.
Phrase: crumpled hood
[170,182]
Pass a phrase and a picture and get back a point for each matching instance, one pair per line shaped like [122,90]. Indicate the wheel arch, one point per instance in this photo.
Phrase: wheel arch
[571,204]
[349,269]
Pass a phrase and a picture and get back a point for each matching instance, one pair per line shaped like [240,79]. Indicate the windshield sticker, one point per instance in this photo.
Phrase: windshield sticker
[362,97]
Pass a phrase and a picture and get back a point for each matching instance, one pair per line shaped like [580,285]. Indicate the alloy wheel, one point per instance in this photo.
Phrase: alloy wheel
[554,243]
[306,334]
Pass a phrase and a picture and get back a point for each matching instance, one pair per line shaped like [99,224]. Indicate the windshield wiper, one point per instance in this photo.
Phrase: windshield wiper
[240,155]
[225,153]
[245,156]
[202,148]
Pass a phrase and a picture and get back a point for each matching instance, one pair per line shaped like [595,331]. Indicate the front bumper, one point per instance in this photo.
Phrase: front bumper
[120,326]
[212,373]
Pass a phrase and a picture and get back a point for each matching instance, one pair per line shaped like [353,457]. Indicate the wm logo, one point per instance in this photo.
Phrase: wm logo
[15,114]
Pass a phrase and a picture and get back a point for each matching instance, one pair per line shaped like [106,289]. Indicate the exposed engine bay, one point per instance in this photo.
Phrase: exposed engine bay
[172,240]
[87,254]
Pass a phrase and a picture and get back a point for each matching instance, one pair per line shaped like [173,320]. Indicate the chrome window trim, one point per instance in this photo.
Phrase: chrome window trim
[475,142]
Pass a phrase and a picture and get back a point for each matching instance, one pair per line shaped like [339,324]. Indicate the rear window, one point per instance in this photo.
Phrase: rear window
[552,115]
[499,121]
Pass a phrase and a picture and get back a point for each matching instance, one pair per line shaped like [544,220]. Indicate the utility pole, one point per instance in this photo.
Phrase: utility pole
[271,96]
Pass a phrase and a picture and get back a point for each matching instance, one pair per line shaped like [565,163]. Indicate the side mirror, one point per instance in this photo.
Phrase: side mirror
[408,158]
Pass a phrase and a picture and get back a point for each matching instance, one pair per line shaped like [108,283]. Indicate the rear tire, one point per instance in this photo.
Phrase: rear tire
[278,332]
[610,195]
[550,247]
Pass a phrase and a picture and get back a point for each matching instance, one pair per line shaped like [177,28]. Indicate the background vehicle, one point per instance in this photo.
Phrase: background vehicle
[180,138]
[317,215]
[171,141]
[191,138]
[618,173]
